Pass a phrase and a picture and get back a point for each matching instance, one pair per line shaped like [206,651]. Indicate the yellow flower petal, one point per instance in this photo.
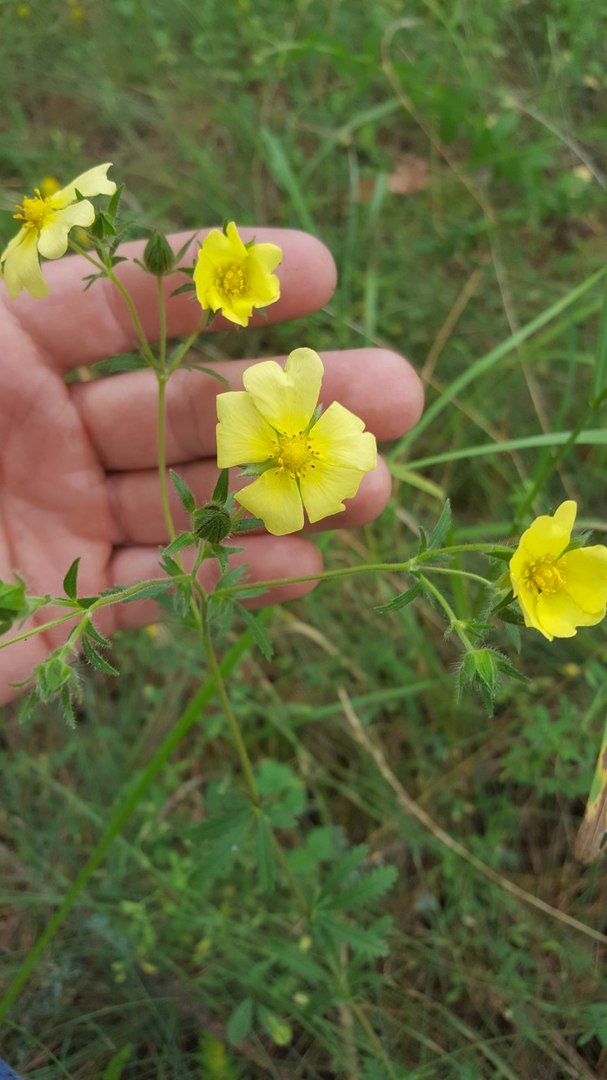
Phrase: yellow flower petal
[527,601]
[267,255]
[53,238]
[274,497]
[236,244]
[585,571]
[238,310]
[217,249]
[243,436]
[549,536]
[324,487]
[339,438]
[21,266]
[286,398]
[90,183]
[265,287]
[559,615]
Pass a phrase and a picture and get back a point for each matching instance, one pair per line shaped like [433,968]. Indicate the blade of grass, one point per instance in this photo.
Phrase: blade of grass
[280,167]
[594,437]
[490,359]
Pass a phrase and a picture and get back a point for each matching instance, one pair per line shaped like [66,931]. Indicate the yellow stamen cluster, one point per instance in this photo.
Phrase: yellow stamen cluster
[295,454]
[34,210]
[231,280]
[544,576]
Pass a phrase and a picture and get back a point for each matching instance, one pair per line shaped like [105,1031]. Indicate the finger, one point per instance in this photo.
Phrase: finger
[76,327]
[120,413]
[137,510]
[267,558]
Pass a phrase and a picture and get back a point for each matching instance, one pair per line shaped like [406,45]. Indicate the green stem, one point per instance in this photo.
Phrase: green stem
[222,694]
[101,602]
[185,348]
[162,344]
[367,568]
[459,573]
[162,468]
[449,612]
[120,818]
[124,292]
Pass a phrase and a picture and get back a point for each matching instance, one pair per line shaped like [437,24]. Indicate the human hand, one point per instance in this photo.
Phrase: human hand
[78,462]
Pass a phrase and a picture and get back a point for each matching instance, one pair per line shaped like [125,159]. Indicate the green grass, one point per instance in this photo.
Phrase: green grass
[301,114]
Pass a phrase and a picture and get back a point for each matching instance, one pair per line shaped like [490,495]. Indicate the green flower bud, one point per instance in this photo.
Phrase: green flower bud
[158,257]
[212,522]
[482,665]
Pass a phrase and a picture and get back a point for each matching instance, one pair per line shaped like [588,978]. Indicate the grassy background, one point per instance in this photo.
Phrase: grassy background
[452,156]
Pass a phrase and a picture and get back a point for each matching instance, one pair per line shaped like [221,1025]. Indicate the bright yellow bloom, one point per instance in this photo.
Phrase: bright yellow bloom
[558,590]
[234,278]
[308,462]
[47,220]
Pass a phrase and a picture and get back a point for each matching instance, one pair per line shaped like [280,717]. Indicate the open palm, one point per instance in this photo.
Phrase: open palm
[77,460]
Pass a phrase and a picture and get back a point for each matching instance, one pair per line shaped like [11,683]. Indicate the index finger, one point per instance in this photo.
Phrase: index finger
[78,328]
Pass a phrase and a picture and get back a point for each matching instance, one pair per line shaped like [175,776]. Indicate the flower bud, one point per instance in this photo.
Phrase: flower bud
[212,522]
[481,664]
[158,257]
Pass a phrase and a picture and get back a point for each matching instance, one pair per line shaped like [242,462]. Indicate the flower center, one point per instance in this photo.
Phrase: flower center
[33,211]
[295,454]
[231,281]
[544,576]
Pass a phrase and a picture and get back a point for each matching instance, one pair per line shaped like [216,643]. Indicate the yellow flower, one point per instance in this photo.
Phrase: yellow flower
[234,278]
[558,590]
[307,461]
[47,220]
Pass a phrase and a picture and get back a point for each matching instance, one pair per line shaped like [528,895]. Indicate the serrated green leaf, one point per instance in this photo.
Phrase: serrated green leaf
[247,524]
[351,861]
[53,674]
[70,581]
[227,845]
[369,942]
[400,601]
[258,631]
[120,362]
[220,491]
[183,491]
[240,1022]
[13,603]
[97,636]
[114,202]
[188,287]
[442,526]
[207,371]
[184,540]
[147,592]
[184,247]
[366,890]
[96,660]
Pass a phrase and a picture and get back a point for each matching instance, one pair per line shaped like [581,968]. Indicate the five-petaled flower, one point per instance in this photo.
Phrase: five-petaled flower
[233,277]
[558,589]
[47,220]
[305,460]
